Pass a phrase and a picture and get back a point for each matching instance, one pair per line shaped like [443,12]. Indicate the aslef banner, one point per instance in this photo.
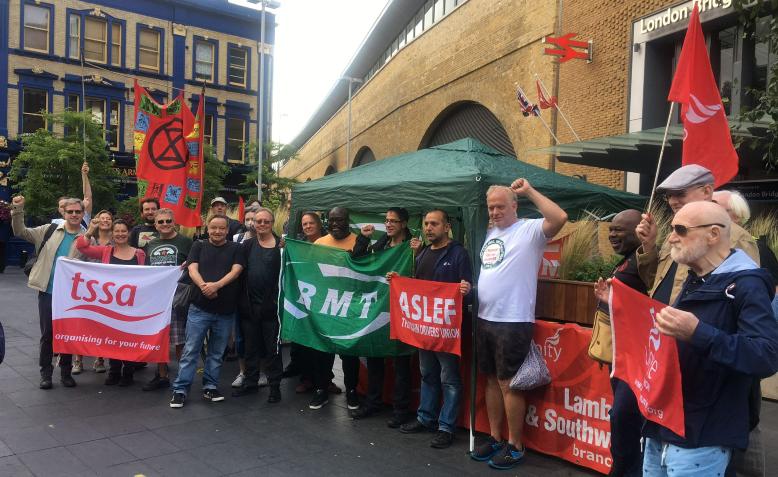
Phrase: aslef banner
[426,314]
[338,304]
[645,359]
[113,311]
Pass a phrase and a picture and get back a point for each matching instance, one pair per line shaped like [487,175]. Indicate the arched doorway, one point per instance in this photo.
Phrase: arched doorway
[364,156]
[330,170]
[468,119]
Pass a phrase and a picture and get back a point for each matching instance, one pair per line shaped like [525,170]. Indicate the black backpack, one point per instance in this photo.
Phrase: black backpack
[31,261]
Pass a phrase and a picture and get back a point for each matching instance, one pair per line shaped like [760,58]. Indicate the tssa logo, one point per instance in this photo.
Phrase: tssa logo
[106,293]
[654,341]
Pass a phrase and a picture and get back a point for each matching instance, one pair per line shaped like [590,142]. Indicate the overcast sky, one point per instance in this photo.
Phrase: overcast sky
[315,40]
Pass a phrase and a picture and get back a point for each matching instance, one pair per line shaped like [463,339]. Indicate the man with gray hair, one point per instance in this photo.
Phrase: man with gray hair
[51,242]
[507,288]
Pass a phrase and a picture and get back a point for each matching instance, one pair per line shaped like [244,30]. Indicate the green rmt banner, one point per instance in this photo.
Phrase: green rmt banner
[338,304]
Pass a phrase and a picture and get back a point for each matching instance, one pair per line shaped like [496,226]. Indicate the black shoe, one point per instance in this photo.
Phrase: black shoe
[245,391]
[112,379]
[415,427]
[275,395]
[178,400]
[487,449]
[352,399]
[364,412]
[126,380]
[212,395]
[442,440]
[398,420]
[320,399]
[508,458]
[46,383]
[68,381]
[156,382]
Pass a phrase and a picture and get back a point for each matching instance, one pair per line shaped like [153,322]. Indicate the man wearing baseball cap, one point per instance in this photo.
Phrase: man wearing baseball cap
[219,207]
[663,277]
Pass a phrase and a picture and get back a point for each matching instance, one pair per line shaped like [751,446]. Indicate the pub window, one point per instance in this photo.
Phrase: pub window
[96,106]
[114,121]
[236,66]
[236,137]
[116,44]
[34,104]
[208,129]
[95,40]
[148,49]
[74,36]
[36,28]
[73,102]
[204,60]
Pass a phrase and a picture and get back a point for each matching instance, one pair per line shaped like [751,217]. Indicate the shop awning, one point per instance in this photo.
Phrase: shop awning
[636,151]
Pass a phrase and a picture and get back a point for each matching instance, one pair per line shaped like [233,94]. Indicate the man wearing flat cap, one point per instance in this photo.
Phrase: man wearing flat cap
[663,277]
[219,207]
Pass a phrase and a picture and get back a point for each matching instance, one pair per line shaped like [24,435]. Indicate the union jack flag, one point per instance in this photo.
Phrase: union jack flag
[527,108]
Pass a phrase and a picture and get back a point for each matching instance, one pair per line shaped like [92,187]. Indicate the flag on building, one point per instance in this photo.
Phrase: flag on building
[544,101]
[706,136]
[338,304]
[168,145]
[527,108]
[646,359]
[241,209]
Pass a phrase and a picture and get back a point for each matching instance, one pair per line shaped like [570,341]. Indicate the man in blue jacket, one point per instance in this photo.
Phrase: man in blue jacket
[444,260]
[726,335]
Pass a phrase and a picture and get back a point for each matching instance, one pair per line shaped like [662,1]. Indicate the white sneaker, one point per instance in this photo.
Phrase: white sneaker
[77,367]
[262,380]
[238,381]
[99,365]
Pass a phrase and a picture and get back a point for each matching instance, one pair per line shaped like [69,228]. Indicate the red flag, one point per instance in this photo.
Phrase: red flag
[544,101]
[707,140]
[645,359]
[241,209]
[425,314]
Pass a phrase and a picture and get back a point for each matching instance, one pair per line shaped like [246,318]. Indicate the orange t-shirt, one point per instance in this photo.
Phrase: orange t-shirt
[347,243]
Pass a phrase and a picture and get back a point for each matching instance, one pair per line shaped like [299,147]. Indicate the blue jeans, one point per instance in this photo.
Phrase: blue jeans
[439,372]
[198,324]
[660,459]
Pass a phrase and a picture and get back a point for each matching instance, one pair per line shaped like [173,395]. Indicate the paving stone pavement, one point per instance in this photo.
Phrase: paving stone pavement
[96,430]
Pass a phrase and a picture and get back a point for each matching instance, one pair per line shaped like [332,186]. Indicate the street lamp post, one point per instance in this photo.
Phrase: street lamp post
[351,82]
[261,113]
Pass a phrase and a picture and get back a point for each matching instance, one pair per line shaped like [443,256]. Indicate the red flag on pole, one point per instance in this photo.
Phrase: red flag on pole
[645,359]
[707,140]
[241,209]
[544,101]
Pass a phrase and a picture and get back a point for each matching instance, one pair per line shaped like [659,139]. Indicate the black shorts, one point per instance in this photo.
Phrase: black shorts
[502,347]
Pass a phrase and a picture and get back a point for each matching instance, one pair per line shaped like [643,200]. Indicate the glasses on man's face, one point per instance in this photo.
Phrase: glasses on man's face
[263,221]
[73,212]
[682,230]
[164,221]
[392,221]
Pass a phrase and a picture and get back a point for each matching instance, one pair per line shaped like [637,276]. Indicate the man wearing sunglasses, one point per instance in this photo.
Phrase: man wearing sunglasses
[663,276]
[50,244]
[168,249]
[726,336]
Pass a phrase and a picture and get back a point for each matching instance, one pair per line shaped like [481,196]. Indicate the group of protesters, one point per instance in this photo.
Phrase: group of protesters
[707,271]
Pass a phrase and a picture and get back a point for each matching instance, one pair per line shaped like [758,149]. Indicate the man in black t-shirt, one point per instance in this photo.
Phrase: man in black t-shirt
[214,267]
[142,234]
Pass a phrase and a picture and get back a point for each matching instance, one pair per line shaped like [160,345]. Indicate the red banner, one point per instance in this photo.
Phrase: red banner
[569,417]
[168,144]
[425,314]
[645,359]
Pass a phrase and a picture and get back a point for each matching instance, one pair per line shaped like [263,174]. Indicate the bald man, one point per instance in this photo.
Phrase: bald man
[726,336]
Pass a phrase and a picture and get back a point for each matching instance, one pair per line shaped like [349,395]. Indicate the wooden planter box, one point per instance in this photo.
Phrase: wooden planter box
[566,300]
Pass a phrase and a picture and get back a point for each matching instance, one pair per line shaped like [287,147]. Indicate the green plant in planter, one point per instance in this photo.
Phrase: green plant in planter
[594,268]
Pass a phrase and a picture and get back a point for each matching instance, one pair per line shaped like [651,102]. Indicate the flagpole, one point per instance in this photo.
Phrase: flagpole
[539,116]
[661,155]
[556,105]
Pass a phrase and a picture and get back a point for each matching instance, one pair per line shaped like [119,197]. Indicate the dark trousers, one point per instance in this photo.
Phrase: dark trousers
[626,423]
[401,395]
[260,340]
[322,370]
[117,367]
[46,353]
[301,361]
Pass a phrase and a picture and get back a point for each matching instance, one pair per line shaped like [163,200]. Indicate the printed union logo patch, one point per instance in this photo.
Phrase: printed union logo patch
[493,253]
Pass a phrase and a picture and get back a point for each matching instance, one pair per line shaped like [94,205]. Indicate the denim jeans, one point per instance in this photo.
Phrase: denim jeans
[439,372]
[197,325]
[661,459]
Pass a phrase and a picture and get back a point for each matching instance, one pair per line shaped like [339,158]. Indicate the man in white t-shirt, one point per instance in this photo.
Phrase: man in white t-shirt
[507,286]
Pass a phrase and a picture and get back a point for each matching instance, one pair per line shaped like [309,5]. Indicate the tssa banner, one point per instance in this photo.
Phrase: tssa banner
[426,314]
[113,311]
[645,359]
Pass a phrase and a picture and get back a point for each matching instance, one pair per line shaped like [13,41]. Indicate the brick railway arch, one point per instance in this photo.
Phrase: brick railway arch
[330,170]
[364,156]
[468,119]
